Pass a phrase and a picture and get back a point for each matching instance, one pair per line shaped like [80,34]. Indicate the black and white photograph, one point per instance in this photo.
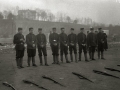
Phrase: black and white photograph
[59,44]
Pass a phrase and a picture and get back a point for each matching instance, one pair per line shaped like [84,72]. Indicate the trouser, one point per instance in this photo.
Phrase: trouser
[91,52]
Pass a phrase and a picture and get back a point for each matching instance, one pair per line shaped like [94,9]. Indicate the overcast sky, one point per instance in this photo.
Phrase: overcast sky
[105,11]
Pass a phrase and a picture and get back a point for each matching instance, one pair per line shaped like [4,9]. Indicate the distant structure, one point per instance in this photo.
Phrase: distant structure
[28,14]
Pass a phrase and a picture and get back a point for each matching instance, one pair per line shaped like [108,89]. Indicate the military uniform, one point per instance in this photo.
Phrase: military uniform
[64,46]
[41,44]
[91,43]
[82,41]
[100,42]
[19,47]
[31,49]
[72,40]
[54,42]
[105,43]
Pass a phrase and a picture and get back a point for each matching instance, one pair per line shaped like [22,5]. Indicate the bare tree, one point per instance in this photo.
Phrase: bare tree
[1,16]
[68,19]
[5,13]
[43,15]
[10,16]
[76,21]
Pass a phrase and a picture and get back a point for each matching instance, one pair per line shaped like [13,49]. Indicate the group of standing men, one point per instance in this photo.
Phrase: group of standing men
[62,41]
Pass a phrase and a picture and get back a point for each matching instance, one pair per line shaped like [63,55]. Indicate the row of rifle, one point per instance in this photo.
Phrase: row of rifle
[80,76]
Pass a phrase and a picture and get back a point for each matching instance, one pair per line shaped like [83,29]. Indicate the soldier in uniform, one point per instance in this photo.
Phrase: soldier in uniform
[105,43]
[31,47]
[19,42]
[63,45]
[91,43]
[100,42]
[82,43]
[41,44]
[72,41]
[54,43]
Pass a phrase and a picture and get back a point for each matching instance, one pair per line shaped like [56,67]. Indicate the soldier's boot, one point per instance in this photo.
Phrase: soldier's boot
[57,60]
[21,62]
[28,61]
[76,58]
[102,56]
[90,55]
[79,56]
[53,59]
[71,57]
[93,56]
[98,55]
[66,57]
[85,54]
[45,58]
[33,62]
[62,58]
[18,62]
[41,62]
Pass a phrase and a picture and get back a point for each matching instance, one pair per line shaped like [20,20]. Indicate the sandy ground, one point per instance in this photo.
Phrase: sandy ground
[62,73]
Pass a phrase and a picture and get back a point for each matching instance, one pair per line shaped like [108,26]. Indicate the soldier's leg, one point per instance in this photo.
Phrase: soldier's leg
[75,52]
[45,56]
[66,54]
[102,54]
[21,58]
[99,51]
[61,53]
[57,55]
[93,51]
[17,58]
[52,48]
[33,57]
[80,52]
[85,53]
[29,56]
[90,52]
[71,56]
[40,55]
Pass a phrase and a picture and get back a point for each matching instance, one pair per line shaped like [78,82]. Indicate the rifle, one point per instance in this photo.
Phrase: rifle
[82,77]
[118,65]
[111,69]
[8,85]
[30,82]
[106,74]
[45,77]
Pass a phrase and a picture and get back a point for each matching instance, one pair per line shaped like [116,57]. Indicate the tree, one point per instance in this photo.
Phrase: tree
[43,15]
[10,16]
[51,17]
[5,13]
[76,21]
[1,16]
[68,19]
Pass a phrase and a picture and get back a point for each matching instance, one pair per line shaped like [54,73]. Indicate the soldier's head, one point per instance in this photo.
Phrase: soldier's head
[82,30]
[30,30]
[92,29]
[100,29]
[72,30]
[62,30]
[20,30]
[54,30]
[40,30]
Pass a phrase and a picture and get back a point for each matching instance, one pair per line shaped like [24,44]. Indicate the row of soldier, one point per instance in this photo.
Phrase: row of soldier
[85,43]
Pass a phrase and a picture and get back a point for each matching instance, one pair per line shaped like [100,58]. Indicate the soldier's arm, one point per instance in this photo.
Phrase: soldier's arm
[16,40]
[45,40]
[88,37]
[75,39]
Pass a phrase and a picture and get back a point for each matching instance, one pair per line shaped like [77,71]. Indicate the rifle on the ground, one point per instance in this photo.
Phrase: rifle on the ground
[30,82]
[8,85]
[111,69]
[82,77]
[45,77]
[104,73]
[118,65]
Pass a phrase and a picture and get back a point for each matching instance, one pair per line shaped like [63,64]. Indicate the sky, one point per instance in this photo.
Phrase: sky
[103,11]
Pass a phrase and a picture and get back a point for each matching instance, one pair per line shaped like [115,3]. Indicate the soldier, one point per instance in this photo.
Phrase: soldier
[54,43]
[81,37]
[91,42]
[100,42]
[64,45]
[72,40]
[41,44]
[31,47]
[105,43]
[19,42]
